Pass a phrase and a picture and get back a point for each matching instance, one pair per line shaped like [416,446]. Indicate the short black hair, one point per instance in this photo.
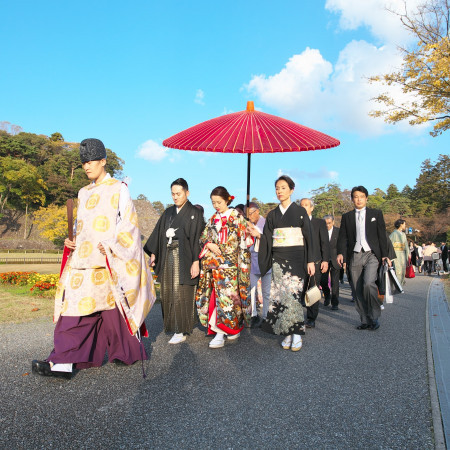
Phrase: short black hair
[180,182]
[398,223]
[360,189]
[288,180]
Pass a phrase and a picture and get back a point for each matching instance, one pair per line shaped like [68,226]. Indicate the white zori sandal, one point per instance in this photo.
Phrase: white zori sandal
[217,342]
[296,343]
[286,344]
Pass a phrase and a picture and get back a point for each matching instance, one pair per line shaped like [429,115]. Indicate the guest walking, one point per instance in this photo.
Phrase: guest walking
[282,248]
[362,243]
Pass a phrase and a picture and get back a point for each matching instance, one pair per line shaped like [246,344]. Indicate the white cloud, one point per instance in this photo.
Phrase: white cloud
[199,96]
[152,151]
[312,91]
[376,16]
[297,85]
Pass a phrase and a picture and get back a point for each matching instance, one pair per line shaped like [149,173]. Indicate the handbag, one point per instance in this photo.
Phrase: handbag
[313,294]
[409,272]
[388,295]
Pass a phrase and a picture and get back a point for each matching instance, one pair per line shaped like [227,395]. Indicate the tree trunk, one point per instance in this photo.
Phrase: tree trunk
[26,219]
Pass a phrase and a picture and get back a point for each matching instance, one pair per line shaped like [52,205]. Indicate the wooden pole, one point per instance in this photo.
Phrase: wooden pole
[69,206]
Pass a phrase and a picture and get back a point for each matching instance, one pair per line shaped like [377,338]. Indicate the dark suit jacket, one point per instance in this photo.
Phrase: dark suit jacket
[375,234]
[444,250]
[333,247]
[320,240]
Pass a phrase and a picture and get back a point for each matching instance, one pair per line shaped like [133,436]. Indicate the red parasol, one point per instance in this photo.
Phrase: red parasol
[250,132]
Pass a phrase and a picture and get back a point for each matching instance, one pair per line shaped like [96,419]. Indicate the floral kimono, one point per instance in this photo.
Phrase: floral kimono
[222,294]
[286,247]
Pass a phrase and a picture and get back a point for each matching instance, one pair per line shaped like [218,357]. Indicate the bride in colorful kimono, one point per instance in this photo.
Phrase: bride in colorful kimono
[282,248]
[222,295]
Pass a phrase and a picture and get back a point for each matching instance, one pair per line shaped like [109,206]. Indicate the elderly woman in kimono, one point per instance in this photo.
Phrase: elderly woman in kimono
[286,247]
[222,296]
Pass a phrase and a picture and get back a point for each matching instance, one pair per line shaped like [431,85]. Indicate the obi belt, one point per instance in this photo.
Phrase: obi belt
[287,237]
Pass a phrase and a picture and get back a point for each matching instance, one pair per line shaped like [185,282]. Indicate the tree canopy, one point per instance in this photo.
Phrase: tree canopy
[425,72]
[54,164]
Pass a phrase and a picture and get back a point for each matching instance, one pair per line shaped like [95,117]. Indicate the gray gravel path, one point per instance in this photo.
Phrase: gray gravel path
[345,389]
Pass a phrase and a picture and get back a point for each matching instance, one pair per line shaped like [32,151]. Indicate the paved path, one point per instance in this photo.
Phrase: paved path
[439,324]
[345,389]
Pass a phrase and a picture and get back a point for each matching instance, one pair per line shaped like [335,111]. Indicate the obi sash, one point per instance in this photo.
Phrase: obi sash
[287,237]
[399,246]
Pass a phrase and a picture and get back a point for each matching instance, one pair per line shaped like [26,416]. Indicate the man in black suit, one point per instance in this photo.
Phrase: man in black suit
[444,256]
[321,258]
[362,243]
[334,268]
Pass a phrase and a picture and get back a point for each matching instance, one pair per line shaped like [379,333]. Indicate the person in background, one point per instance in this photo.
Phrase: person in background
[333,267]
[321,259]
[258,221]
[444,256]
[428,263]
[419,257]
[412,253]
[401,247]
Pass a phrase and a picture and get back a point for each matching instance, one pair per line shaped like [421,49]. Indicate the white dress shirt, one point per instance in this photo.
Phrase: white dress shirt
[361,241]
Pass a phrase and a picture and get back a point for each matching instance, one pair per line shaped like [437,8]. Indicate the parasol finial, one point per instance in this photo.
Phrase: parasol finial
[250,106]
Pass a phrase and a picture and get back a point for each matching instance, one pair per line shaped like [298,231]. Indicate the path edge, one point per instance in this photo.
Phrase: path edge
[438,430]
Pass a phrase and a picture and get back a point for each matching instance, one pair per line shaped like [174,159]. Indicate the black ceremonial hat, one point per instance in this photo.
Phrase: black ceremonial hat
[92,150]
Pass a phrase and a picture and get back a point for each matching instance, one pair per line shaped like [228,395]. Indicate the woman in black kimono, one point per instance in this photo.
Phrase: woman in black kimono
[286,246]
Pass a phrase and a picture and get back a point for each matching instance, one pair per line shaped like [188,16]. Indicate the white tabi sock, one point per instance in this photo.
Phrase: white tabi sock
[62,367]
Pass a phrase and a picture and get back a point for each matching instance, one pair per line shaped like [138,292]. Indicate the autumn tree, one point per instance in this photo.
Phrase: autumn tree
[425,72]
[52,222]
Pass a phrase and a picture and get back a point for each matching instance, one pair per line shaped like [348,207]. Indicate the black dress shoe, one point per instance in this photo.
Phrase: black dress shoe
[335,307]
[310,324]
[375,325]
[363,326]
[43,368]
[326,302]
[256,322]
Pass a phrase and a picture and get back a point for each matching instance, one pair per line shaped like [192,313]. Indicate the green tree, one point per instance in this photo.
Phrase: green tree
[377,199]
[56,137]
[407,191]
[433,183]
[398,205]
[392,192]
[23,184]
[158,207]
[328,199]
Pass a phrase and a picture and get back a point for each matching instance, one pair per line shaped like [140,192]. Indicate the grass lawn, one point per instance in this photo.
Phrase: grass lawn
[18,305]
[39,268]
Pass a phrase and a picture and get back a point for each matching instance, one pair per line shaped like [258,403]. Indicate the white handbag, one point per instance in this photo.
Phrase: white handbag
[312,295]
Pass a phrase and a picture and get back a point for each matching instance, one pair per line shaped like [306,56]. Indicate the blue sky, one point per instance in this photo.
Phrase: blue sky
[134,73]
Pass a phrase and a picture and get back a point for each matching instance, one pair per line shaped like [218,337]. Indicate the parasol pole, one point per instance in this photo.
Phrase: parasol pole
[249,155]
[250,108]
